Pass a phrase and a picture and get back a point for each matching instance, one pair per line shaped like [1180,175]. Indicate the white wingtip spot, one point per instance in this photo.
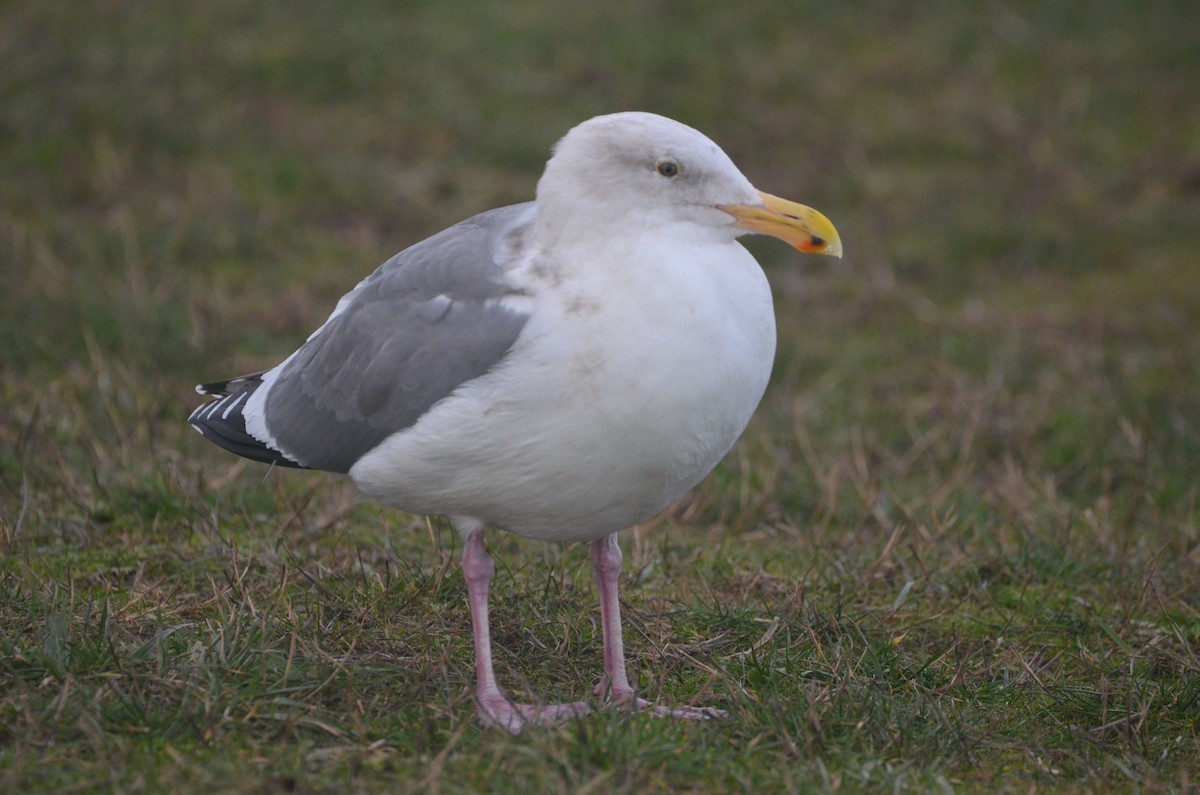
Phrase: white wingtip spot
[225,414]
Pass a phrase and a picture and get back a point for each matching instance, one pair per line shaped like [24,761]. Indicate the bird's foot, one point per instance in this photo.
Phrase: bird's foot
[514,717]
[632,703]
[686,713]
[680,713]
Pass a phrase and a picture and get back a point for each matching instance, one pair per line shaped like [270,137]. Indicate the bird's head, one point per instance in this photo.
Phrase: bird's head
[639,169]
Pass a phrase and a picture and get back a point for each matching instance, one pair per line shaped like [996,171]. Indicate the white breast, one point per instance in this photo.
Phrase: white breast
[626,387]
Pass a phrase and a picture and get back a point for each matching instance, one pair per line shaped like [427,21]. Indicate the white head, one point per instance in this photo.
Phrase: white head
[640,169]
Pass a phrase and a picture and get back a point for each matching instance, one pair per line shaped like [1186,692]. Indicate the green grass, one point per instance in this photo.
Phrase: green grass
[956,549]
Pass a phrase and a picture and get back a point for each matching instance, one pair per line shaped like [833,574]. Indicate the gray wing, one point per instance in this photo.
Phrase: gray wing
[427,321]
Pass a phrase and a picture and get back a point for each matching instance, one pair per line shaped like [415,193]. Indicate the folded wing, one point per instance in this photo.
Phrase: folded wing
[430,319]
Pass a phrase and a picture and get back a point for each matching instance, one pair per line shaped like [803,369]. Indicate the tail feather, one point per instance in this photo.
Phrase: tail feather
[221,421]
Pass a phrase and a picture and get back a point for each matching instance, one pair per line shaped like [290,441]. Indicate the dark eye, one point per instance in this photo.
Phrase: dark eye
[668,168]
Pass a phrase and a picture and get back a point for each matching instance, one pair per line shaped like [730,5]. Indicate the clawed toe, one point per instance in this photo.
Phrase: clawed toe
[690,713]
[634,704]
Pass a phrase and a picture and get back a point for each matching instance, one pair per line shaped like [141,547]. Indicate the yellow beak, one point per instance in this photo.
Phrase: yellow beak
[802,227]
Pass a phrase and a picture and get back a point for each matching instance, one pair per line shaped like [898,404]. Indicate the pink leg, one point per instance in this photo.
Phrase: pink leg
[492,705]
[606,566]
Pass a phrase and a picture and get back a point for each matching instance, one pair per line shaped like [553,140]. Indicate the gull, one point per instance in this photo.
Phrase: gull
[560,369]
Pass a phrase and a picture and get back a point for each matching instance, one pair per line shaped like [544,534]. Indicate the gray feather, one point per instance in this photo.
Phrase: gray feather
[427,321]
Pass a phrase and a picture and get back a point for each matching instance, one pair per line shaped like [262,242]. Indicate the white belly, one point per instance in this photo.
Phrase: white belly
[605,411]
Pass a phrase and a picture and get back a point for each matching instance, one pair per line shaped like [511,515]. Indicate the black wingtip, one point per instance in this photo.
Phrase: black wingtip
[222,423]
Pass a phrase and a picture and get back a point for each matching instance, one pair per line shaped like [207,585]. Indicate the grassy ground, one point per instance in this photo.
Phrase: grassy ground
[956,549]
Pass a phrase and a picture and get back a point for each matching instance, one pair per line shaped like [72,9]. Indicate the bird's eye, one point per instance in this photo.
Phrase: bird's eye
[668,168]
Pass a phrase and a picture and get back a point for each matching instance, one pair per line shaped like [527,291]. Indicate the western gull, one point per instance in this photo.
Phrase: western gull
[560,369]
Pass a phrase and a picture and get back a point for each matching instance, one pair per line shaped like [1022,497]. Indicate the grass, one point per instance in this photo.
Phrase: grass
[955,551]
